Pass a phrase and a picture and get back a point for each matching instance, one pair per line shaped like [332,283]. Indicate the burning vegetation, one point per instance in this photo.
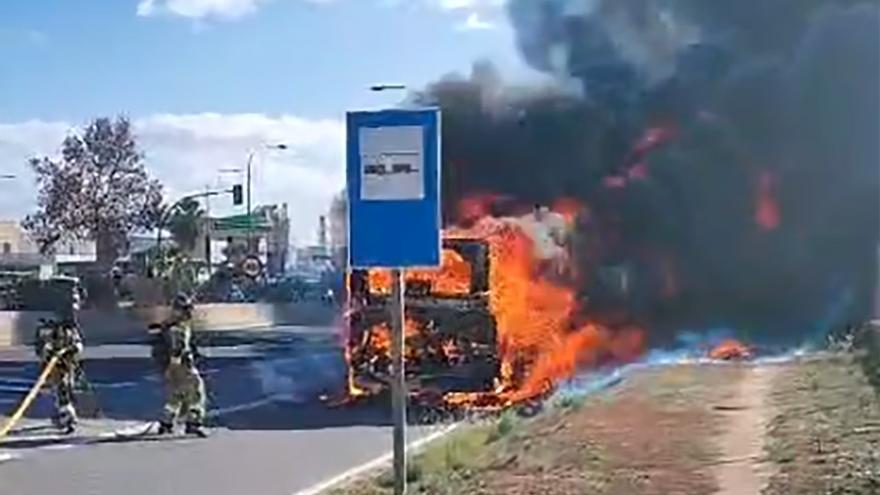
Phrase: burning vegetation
[730,350]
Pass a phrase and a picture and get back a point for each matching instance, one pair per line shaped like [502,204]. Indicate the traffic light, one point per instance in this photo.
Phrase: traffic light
[237,195]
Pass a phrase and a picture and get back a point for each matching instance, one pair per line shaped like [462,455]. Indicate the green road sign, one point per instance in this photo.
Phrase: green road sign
[242,223]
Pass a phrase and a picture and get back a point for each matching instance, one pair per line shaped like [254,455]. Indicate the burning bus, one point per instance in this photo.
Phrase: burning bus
[499,323]
[451,339]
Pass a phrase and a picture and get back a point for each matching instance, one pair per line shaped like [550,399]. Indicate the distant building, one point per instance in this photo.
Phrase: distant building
[312,262]
[338,230]
[277,239]
[19,252]
[268,231]
[76,252]
[312,255]
[13,239]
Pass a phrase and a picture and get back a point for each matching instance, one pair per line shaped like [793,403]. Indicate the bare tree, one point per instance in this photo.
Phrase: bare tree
[98,190]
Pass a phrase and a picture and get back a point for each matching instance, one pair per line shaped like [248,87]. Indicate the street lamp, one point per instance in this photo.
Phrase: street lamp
[387,87]
[279,146]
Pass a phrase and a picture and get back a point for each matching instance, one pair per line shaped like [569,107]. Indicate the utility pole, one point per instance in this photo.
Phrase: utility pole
[208,228]
[248,180]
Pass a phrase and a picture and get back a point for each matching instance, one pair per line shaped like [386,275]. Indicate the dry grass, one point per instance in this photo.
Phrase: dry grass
[825,438]
[659,433]
[654,434]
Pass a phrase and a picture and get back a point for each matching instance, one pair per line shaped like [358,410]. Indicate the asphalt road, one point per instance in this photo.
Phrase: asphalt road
[270,433]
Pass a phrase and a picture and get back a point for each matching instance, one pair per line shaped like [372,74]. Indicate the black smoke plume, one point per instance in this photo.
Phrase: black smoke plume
[757,206]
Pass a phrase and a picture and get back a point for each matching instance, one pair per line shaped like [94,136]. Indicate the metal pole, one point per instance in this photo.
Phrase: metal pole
[158,259]
[250,159]
[207,225]
[398,384]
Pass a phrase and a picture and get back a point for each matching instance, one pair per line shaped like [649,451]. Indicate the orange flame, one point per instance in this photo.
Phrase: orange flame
[568,208]
[730,350]
[767,213]
[540,343]
[542,338]
[353,390]
[380,336]
[453,277]
[475,207]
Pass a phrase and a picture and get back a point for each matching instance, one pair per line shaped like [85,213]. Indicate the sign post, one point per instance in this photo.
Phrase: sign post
[393,178]
[398,386]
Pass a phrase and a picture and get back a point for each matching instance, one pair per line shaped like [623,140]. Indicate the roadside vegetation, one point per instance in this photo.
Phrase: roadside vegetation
[661,431]
[825,437]
[653,434]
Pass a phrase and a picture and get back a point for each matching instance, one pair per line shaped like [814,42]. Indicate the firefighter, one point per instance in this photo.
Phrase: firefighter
[62,337]
[176,354]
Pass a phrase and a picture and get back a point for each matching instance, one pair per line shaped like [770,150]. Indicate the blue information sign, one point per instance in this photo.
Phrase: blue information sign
[394,188]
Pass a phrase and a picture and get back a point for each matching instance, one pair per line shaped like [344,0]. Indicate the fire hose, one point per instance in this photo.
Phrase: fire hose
[32,394]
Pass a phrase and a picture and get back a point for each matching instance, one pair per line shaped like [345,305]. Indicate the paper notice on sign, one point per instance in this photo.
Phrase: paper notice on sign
[392,165]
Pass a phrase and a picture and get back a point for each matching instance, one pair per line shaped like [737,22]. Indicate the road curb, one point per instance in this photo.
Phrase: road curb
[376,463]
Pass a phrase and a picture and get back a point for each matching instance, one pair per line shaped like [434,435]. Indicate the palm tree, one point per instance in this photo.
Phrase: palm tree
[184,223]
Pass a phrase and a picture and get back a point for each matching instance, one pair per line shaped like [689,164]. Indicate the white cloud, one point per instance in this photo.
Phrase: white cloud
[468,4]
[186,153]
[474,22]
[234,9]
[199,9]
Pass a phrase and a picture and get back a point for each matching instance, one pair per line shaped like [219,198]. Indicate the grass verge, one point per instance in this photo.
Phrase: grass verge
[825,436]
[653,434]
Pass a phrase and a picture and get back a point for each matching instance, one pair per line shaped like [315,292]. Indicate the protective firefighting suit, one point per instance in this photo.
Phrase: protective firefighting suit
[64,338]
[176,355]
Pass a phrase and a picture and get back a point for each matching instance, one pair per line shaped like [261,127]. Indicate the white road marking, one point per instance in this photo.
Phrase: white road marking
[15,389]
[6,457]
[132,430]
[16,379]
[113,385]
[375,463]
[59,446]
[8,384]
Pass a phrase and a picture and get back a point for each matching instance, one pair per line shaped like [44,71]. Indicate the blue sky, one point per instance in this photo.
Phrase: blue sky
[207,81]
[68,60]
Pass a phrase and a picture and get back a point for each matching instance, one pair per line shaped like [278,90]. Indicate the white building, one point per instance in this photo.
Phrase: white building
[18,250]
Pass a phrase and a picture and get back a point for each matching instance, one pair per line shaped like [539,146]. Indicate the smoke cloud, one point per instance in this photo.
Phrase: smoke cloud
[727,153]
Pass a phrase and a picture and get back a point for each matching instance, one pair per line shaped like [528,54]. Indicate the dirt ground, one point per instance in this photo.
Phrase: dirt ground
[742,467]
[807,427]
